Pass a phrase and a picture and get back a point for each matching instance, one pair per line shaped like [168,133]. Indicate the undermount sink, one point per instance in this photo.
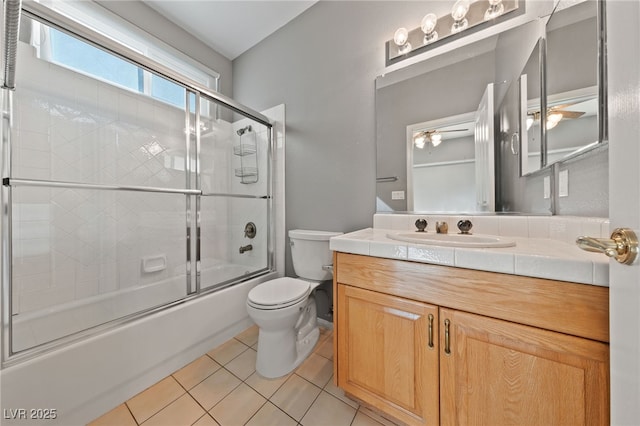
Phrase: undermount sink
[452,240]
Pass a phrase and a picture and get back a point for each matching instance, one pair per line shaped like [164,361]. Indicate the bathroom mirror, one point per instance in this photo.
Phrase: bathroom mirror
[450,161]
[444,86]
[574,113]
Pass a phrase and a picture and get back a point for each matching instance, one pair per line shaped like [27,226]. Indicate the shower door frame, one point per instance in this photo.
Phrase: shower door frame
[193,196]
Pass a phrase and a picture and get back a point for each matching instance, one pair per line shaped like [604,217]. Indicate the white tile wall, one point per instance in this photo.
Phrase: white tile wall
[72,245]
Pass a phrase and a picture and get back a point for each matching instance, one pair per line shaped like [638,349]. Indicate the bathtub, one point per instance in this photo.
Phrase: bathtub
[83,380]
[45,325]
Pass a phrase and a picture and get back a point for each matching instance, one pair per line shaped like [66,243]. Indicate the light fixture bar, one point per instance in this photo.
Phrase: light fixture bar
[481,13]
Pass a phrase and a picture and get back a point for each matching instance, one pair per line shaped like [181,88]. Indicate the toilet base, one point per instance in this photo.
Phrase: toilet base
[282,351]
[306,345]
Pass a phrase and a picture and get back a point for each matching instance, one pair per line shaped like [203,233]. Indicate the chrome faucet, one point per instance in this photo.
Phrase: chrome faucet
[248,247]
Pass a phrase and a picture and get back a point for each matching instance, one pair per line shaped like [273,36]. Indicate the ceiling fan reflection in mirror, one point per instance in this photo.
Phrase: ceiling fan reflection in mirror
[554,115]
[434,137]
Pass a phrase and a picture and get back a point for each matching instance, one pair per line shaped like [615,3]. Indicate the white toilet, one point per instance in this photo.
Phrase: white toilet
[285,310]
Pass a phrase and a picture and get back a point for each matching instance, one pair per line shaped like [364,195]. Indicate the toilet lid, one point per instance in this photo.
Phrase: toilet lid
[279,291]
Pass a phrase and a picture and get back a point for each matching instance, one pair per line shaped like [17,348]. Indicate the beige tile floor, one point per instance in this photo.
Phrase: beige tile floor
[223,388]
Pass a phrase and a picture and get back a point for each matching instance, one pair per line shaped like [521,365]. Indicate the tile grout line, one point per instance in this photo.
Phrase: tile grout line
[130,412]
[223,398]
[222,367]
[186,391]
[206,413]
[165,406]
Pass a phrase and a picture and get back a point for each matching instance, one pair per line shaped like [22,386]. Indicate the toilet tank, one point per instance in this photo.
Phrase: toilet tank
[310,252]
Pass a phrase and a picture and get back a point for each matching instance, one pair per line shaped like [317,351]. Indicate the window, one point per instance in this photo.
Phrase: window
[65,50]
[73,53]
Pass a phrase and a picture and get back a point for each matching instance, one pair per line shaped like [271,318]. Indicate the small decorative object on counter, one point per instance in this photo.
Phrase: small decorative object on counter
[465,226]
[442,227]
[421,224]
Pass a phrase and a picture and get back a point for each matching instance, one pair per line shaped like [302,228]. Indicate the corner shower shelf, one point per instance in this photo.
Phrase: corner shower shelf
[244,149]
[247,150]
[246,172]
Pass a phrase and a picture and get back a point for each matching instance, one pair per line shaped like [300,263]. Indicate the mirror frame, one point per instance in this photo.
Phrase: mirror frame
[601,81]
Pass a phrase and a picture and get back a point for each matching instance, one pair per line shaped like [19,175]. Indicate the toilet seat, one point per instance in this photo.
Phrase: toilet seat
[279,293]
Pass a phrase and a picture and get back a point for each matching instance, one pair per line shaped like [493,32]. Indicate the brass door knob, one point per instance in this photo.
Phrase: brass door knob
[622,246]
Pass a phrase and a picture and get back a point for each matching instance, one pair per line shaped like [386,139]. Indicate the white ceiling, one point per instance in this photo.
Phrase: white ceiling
[230,27]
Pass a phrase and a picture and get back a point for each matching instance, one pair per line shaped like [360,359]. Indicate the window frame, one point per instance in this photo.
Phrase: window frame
[99,19]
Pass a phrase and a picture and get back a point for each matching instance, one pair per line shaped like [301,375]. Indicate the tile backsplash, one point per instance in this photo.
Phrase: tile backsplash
[560,228]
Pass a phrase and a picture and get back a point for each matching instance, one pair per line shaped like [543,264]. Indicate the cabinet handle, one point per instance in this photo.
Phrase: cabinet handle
[447,338]
[431,331]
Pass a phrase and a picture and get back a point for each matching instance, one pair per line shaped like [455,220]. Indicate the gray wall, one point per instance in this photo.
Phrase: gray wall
[322,66]
[152,22]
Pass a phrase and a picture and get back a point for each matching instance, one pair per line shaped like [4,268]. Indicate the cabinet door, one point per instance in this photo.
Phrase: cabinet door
[386,357]
[499,373]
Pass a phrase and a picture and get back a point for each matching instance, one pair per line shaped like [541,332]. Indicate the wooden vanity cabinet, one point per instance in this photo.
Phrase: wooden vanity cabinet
[495,357]
[388,352]
[502,373]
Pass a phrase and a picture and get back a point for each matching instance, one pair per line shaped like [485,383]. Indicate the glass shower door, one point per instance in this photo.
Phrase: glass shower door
[121,197]
[98,193]
[234,178]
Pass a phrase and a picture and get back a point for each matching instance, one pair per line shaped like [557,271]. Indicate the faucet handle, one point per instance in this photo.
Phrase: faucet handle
[421,224]
[250,230]
[465,226]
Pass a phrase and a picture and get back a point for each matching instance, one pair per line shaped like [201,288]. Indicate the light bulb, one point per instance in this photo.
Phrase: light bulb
[530,121]
[458,13]
[419,141]
[554,117]
[496,8]
[436,139]
[428,26]
[401,39]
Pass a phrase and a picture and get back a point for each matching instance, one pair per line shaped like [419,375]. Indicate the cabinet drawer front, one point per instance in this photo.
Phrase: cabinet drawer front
[385,355]
[576,309]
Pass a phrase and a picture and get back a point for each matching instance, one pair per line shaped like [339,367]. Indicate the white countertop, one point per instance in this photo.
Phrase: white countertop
[533,257]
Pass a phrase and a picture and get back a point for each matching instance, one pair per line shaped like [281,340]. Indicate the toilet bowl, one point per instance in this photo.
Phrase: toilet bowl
[284,309]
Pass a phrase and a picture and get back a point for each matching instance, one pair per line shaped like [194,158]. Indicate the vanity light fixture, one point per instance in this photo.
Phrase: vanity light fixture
[436,138]
[459,13]
[433,29]
[496,8]
[401,39]
[428,27]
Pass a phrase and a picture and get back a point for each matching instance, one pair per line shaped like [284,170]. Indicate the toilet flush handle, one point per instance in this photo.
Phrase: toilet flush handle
[327,268]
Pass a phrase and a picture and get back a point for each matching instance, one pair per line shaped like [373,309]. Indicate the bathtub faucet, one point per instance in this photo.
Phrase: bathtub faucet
[246,248]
